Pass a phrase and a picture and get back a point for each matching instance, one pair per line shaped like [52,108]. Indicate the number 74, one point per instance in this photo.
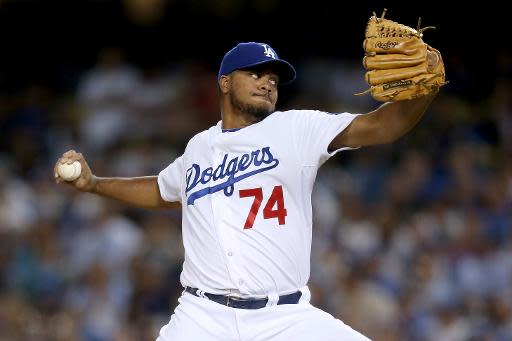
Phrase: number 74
[276,198]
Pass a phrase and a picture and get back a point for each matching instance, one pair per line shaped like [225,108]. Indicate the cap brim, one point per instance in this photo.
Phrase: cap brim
[283,69]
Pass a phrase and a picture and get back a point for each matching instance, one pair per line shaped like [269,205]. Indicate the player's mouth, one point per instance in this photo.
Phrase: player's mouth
[265,96]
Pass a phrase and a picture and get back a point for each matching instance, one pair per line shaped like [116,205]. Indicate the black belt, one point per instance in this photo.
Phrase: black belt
[246,303]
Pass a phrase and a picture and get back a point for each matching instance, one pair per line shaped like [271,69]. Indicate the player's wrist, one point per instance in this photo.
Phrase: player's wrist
[93,185]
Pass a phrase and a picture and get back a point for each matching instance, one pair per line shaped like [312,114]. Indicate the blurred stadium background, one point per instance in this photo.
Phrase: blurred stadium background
[412,241]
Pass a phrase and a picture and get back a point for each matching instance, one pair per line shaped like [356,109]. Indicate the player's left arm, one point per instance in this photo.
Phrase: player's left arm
[384,125]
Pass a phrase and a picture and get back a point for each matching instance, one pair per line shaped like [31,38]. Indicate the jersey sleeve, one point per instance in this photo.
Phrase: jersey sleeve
[170,181]
[314,132]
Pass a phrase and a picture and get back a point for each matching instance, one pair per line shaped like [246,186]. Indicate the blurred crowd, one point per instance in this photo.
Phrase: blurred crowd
[411,241]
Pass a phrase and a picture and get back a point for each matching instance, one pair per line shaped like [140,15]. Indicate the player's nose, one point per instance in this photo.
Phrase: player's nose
[266,83]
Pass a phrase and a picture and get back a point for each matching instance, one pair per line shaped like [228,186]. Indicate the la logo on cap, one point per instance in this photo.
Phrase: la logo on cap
[268,51]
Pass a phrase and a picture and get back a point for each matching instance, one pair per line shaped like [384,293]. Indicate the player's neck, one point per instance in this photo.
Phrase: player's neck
[231,120]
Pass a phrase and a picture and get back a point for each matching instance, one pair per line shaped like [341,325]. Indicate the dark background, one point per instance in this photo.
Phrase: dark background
[50,42]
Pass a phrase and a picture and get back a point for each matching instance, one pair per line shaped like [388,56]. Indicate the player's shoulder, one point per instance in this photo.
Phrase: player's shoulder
[198,137]
[202,135]
[293,114]
[290,113]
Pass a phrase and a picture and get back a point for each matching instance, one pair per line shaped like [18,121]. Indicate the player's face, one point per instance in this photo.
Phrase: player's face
[254,92]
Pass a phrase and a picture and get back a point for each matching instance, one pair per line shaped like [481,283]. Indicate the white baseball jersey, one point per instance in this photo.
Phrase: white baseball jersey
[246,200]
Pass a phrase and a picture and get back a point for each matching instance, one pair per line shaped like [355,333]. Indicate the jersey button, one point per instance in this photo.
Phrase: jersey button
[240,281]
[230,253]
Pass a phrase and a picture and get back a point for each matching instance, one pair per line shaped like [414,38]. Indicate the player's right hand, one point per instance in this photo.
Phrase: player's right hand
[86,181]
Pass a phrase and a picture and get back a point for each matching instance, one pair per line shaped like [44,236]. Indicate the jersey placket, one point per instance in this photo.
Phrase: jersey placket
[222,221]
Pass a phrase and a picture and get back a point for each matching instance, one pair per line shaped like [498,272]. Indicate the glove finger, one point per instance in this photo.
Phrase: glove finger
[434,60]
[375,77]
[408,46]
[393,61]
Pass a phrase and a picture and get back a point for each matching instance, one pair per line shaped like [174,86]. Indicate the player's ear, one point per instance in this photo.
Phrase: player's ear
[224,83]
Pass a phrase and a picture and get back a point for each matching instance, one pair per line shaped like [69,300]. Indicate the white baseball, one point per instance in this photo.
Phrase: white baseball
[69,172]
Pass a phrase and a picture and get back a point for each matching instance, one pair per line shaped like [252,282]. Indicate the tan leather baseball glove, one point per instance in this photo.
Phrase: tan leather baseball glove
[400,65]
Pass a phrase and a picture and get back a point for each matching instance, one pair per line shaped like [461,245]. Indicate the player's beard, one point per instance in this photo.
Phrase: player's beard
[257,111]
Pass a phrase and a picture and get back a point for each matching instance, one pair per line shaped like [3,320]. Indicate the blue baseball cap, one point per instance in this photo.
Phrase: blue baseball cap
[247,55]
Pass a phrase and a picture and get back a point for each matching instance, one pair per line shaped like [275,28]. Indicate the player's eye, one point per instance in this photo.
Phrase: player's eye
[255,75]
[273,81]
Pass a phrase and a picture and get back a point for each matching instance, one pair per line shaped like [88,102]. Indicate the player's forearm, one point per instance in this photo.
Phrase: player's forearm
[141,192]
[395,119]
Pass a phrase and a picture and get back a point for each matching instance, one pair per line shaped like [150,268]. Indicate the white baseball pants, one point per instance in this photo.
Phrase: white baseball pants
[199,319]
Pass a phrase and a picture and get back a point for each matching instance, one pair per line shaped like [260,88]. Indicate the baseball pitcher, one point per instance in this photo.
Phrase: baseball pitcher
[244,186]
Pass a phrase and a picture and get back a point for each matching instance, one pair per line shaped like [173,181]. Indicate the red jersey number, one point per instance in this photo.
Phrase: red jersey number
[274,208]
